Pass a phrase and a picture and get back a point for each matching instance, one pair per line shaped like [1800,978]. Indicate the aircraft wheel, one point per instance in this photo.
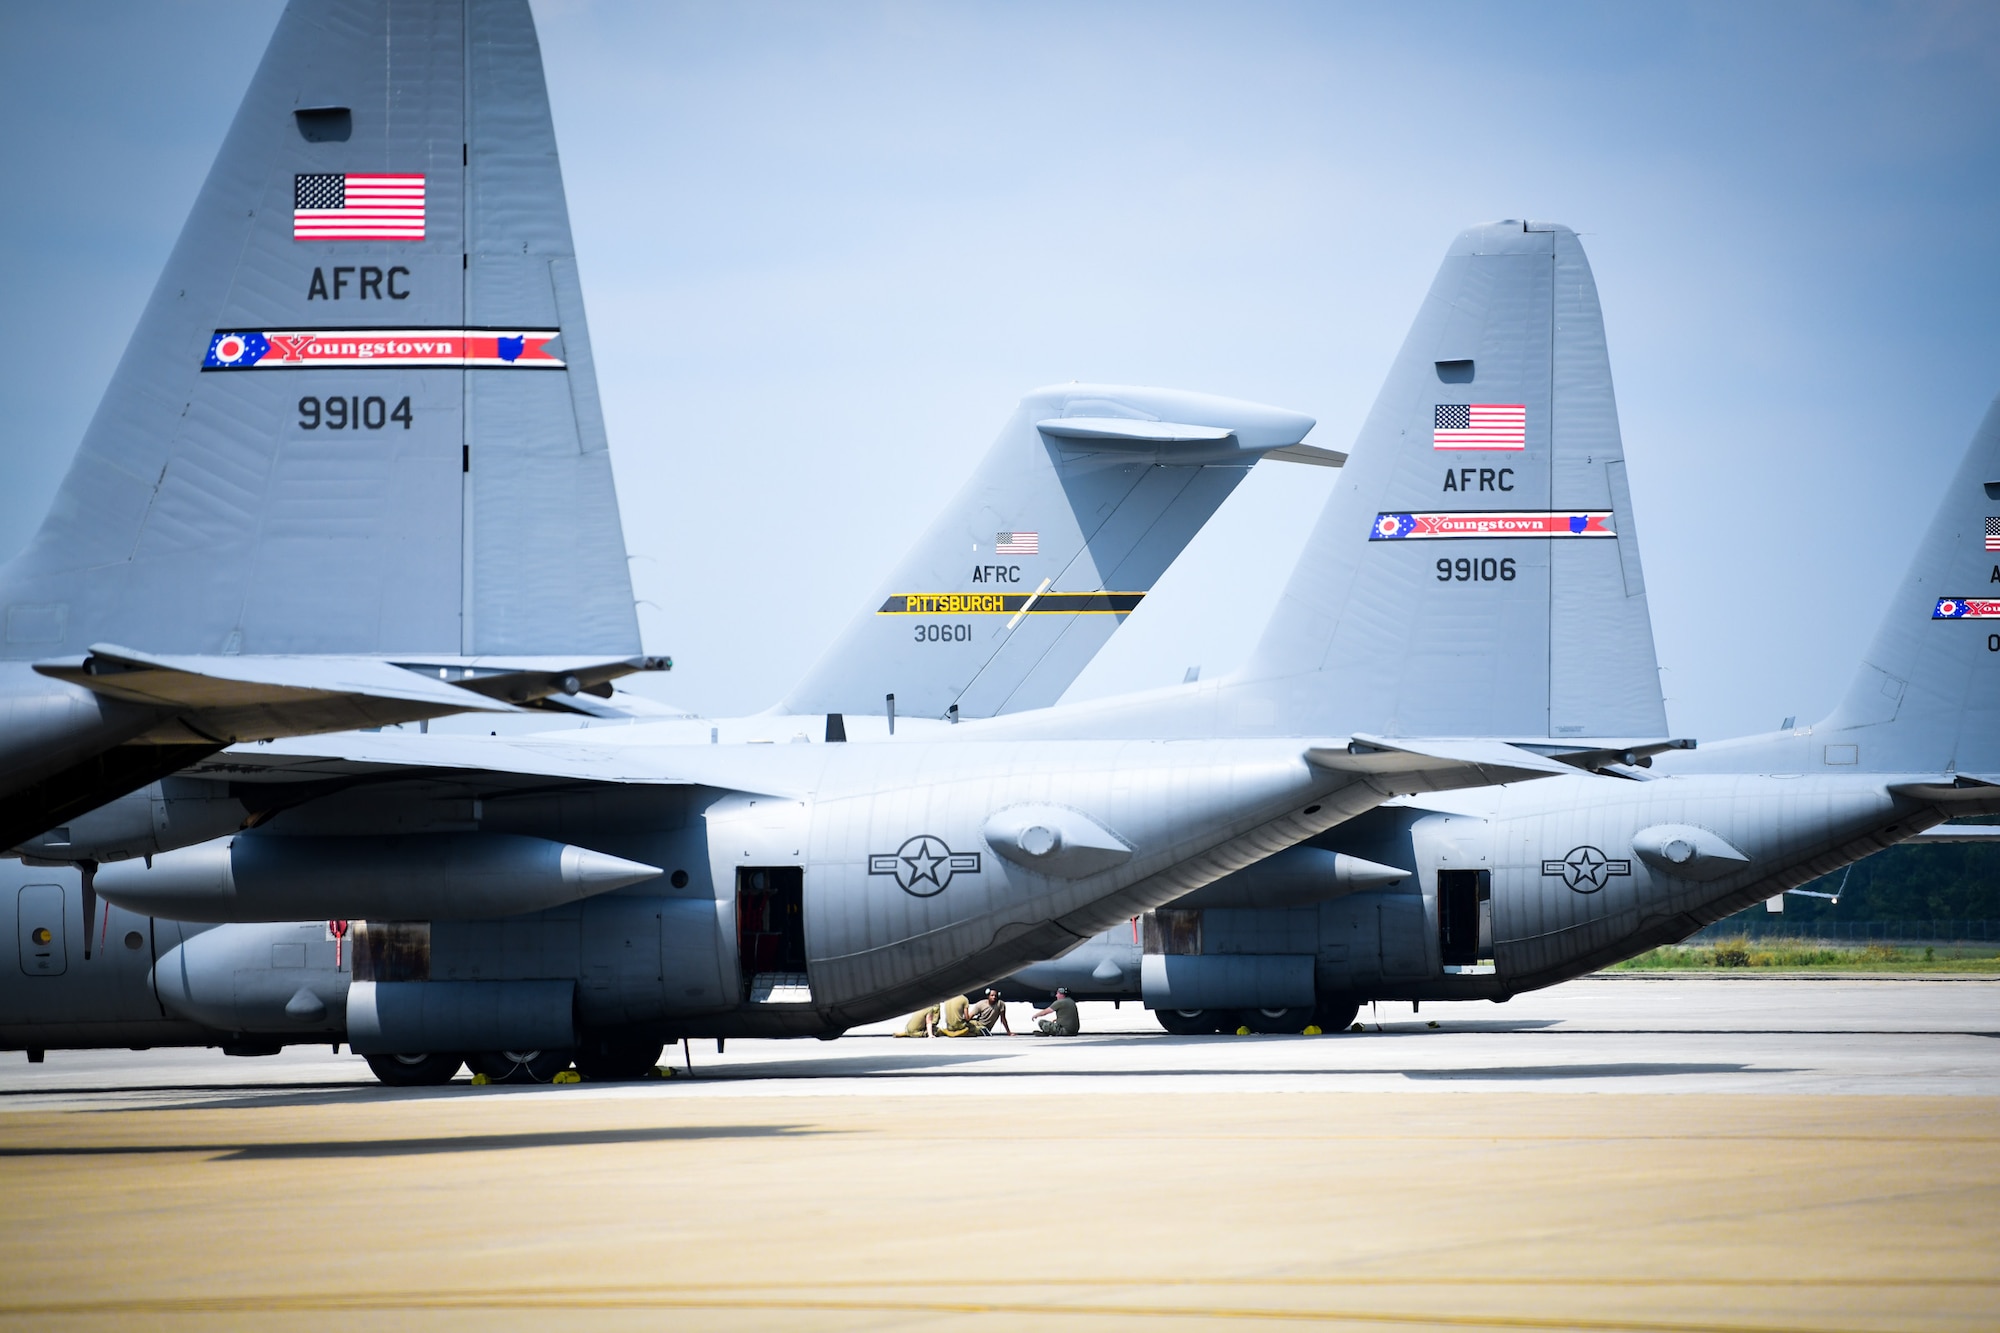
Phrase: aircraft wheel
[518,1066]
[1335,1013]
[617,1060]
[1186,1022]
[415,1071]
[1290,1020]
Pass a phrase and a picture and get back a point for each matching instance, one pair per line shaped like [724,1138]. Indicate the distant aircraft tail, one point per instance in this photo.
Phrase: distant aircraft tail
[1477,571]
[1926,697]
[1086,497]
[325,436]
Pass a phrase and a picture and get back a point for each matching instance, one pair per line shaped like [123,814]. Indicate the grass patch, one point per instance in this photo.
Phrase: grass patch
[1811,956]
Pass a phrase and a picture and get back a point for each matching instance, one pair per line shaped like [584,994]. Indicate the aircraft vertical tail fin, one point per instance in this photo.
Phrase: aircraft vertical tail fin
[359,414]
[1926,697]
[1477,571]
[1086,497]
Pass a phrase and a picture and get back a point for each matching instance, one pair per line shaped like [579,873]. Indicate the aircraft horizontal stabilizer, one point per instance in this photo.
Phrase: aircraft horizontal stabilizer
[238,697]
[537,681]
[1260,432]
[1270,440]
[1439,765]
[1596,755]
[1310,454]
[1114,429]
[1963,795]
[233,683]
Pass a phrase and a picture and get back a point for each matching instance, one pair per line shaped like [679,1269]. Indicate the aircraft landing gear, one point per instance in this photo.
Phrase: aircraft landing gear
[518,1066]
[1335,1013]
[415,1071]
[617,1059]
[1290,1021]
[1196,1022]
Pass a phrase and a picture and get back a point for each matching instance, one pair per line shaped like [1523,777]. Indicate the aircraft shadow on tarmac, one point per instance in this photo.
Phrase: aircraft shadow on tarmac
[254,1096]
[1532,1073]
[425,1147]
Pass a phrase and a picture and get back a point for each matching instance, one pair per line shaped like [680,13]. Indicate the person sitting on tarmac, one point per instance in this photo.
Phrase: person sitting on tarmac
[952,1022]
[1059,1019]
[988,1014]
[923,1023]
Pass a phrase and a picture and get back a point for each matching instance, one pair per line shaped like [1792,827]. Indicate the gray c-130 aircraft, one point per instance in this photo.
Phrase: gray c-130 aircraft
[1111,482]
[1489,893]
[812,887]
[257,519]
[1495,272]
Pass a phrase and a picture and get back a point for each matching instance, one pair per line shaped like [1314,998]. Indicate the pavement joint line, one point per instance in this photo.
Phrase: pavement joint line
[607,1300]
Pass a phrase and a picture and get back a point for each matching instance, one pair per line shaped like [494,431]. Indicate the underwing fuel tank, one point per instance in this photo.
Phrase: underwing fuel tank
[423,876]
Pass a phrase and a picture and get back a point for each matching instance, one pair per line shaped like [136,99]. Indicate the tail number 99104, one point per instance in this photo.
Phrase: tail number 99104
[1474,570]
[355,413]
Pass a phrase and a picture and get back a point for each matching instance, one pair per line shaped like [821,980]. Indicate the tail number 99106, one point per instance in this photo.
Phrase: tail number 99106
[1474,570]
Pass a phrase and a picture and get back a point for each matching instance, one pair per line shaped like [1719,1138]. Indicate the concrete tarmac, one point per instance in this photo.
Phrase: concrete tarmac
[1613,1154]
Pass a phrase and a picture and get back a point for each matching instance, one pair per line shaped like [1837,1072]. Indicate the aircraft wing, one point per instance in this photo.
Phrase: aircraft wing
[1398,767]
[231,698]
[550,759]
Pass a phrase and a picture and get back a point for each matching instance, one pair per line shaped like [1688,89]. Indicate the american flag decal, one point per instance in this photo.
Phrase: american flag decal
[1017,543]
[1993,534]
[1479,426]
[335,206]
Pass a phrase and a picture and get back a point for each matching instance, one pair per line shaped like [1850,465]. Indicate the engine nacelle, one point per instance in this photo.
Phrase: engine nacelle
[1293,878]
[423,876]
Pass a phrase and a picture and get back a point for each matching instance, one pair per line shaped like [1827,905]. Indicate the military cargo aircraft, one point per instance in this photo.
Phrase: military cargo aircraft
[1485,894]
[809,887]
[1112,480]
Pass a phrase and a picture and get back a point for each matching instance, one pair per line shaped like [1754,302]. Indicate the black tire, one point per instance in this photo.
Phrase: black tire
[1290,1021]
[617,1059]
[518,1066]
[1186,1022]
[415,1071]
[1335,1013]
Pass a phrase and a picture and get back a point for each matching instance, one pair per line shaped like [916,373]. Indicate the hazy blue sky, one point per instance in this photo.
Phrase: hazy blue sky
[826,247]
